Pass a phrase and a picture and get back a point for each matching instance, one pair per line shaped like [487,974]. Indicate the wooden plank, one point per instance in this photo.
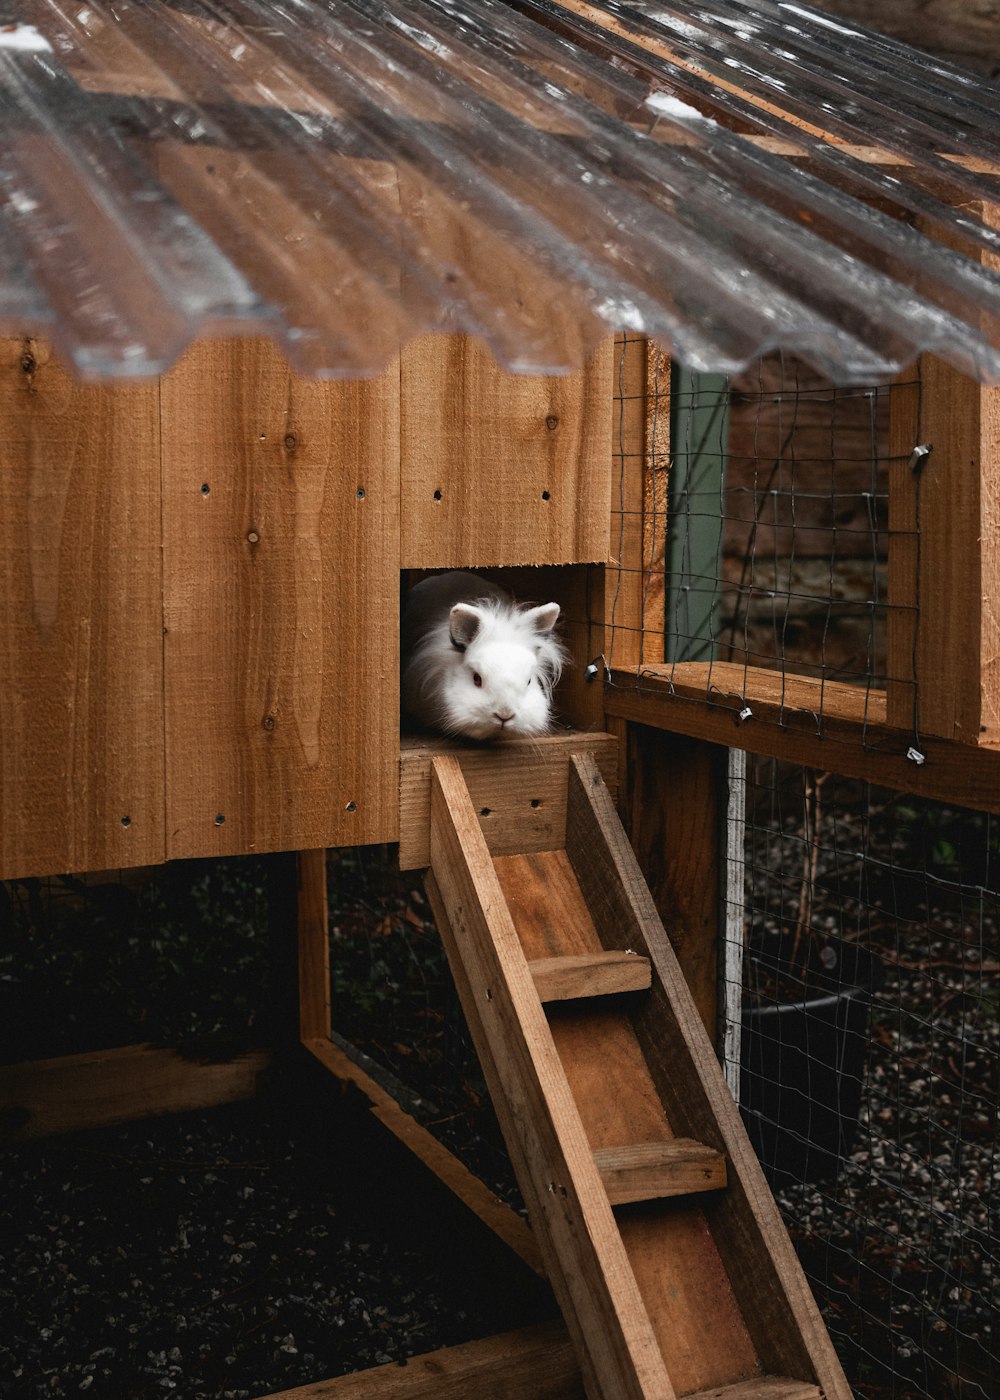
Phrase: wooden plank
[562,1188]
[518,787]
[314,946]
[655,485]
[281,587]
[534,1361]
[624,577]
[755,1252]
[529,450]
[505,1223]
[732,917]
[762,1388]
[671,1251]
[589,975]
[96,1089]
[944,543]
[615,1096]
[674,824]
[815,725]
[904,554]
[648,1171]
[81,697]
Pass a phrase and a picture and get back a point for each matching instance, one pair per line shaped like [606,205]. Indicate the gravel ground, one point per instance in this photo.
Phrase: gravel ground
[216,1256]
[903,1248]
[153,1254]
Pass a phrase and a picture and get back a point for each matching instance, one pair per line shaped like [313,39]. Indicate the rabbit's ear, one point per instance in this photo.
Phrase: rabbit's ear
[543,618]
[464,622]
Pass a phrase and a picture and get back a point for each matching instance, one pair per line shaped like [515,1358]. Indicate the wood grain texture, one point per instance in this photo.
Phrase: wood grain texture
[518,787]
[675,827]
[501,469]
[762,1388]
[836,729]
[93,1090]
[625,577]
[505,1223]
[904,554]
[671,1251]
[755,1254]
[649,1171]
[589,975]
[536,1362]
[580,1242]
[944,648]
[81,675]
[281,601]
[314,946]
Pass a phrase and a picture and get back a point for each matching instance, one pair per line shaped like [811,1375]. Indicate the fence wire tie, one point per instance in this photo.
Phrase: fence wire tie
[594,669]
[745,714]
[918,457]
[915,756]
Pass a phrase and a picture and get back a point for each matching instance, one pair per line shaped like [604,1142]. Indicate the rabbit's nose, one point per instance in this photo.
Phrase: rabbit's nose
[503,718]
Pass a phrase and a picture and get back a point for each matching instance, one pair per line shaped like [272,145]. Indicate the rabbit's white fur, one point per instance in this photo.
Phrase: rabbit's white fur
[457,627]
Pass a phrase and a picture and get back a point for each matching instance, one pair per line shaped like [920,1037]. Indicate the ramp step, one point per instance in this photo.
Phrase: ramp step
[761,1388]
[648,1171]
[697,1296]
[590,975]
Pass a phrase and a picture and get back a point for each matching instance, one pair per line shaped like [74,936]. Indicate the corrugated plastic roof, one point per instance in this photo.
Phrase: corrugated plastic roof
[344,174]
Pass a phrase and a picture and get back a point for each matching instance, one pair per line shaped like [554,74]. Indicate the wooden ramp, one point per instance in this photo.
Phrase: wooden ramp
[661,1239]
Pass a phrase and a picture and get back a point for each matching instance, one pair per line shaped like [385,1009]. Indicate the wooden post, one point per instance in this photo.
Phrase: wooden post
[314,947]
[675,808]
[81,624]
[943,643]
[640,433]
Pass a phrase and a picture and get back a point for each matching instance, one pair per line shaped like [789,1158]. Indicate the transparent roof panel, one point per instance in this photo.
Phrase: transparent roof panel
[345,174]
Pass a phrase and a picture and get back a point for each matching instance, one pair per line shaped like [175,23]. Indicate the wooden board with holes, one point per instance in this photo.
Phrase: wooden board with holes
[518,787]
[501,469]
[831,726]
[81,695]
[281,604]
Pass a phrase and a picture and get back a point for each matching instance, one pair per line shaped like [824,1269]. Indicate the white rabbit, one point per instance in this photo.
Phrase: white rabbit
[474,662]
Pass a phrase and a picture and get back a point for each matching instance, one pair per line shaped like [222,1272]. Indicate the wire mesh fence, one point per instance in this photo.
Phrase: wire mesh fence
[866,952]
[870,1067]
[765,526]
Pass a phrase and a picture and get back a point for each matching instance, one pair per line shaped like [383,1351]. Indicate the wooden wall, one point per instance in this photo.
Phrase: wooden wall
[81,682]
[200,584]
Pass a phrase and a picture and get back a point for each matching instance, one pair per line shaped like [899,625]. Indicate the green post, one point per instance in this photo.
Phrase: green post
[699,432]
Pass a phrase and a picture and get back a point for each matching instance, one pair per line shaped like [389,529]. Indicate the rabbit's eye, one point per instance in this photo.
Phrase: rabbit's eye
[476,678]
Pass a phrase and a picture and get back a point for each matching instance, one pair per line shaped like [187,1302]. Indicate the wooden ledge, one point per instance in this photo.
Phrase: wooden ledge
[518,788]
[826,725]
[100,1087]
[536,1361]
[650,1171]
[601,974]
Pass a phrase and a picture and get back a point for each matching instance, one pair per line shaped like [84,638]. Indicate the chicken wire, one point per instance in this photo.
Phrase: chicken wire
[862,954]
